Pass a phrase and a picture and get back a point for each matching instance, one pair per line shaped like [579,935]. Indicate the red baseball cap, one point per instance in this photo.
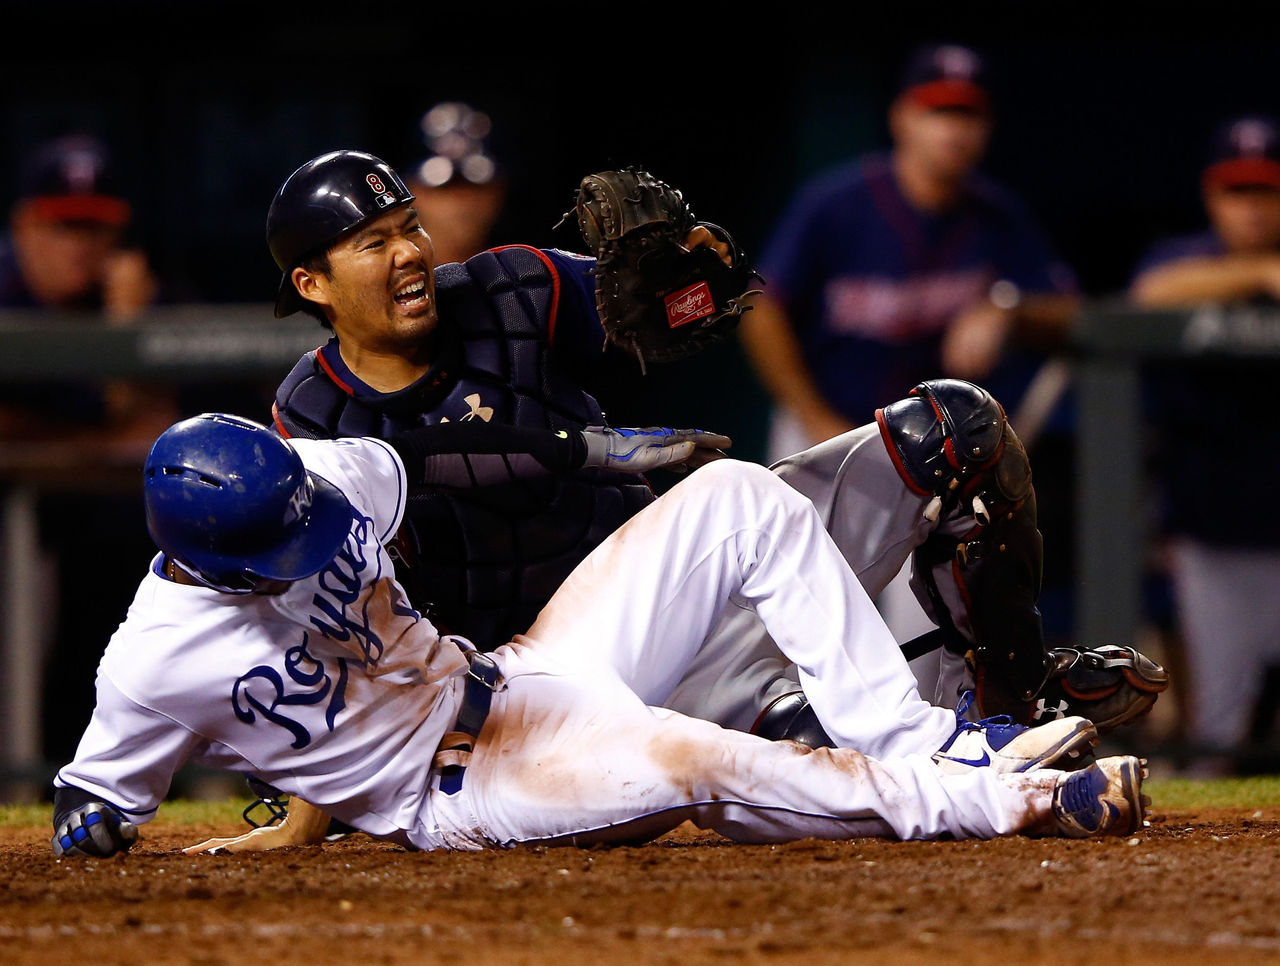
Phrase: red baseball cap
[1245,152]
[73,179]
[946,76]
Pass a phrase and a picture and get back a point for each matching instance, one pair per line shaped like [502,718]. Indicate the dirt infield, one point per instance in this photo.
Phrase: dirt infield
[1197,886]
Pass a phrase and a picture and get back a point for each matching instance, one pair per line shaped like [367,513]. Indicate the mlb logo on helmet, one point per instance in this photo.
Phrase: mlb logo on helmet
[385,196]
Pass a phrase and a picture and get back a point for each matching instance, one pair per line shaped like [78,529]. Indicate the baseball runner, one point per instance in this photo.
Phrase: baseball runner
[270,635]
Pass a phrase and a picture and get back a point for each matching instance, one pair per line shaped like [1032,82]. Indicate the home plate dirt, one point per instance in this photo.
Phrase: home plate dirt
[1197,887]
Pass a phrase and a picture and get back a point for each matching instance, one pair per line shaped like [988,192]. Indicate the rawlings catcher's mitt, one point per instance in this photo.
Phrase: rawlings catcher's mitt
[657,298]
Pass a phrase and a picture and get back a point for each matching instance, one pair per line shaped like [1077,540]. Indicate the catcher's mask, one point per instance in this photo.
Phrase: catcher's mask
[231,501]
[327,198]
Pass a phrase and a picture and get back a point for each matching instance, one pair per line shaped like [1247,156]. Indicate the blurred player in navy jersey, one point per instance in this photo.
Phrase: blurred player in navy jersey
[71,250]
[896,267]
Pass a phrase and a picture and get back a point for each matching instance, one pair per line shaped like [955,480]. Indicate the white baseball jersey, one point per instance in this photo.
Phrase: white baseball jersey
[292,688]
[339,693]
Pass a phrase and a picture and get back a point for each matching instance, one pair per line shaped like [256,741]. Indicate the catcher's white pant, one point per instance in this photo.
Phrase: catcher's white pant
[876,523]
[573,748]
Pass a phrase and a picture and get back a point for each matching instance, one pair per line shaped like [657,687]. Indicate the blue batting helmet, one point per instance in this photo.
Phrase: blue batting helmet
[229,499]
[327,198]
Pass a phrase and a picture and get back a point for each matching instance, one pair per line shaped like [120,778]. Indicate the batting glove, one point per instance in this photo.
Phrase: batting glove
[641,450]
[95,829]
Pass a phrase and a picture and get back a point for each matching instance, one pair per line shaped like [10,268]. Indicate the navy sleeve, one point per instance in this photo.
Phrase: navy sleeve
[576,327]
[793,256]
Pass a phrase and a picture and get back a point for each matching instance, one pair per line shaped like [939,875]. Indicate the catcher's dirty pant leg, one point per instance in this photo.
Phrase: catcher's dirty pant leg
[645,600]
[575,757]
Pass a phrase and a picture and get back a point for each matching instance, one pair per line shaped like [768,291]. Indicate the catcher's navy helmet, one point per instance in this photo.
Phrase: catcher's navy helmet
[325,199]
[229,499]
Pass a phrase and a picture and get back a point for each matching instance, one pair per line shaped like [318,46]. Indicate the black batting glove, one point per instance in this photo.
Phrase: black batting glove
[95,829]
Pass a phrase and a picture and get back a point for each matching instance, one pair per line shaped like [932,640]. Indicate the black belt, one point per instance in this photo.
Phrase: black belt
[483,679]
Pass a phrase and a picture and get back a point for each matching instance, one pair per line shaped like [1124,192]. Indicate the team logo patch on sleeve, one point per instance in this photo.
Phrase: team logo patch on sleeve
[689,304]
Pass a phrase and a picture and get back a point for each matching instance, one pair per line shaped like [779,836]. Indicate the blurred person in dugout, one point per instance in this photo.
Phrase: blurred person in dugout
[1213,441]
[906,265]
[460,188]
[69,253]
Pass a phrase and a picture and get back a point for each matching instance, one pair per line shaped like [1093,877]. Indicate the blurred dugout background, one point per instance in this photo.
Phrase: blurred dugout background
[1101,119]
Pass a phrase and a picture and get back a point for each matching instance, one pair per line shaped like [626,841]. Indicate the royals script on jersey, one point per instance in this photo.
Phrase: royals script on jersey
[336,691]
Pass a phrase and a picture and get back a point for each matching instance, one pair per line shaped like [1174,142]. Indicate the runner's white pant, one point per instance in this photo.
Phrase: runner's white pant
[573,749]
[876,523]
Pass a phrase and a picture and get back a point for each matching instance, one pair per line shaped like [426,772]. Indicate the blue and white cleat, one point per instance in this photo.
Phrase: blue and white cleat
[1001,744]
[1104,799]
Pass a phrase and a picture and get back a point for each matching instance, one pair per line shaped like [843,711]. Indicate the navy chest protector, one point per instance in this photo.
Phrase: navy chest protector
[480,561]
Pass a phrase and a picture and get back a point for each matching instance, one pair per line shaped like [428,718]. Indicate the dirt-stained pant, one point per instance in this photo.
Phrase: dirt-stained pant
[574,748]
[876,523]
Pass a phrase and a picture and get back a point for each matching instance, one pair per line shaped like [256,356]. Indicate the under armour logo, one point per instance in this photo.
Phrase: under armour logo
[483,413]
[1043,711]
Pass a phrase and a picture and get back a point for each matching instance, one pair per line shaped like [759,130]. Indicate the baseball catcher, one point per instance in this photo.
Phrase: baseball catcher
[942,479]
[952,442]
[662,291]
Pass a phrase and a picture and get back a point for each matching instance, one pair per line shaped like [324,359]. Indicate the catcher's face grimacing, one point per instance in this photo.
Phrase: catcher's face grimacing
[379,289]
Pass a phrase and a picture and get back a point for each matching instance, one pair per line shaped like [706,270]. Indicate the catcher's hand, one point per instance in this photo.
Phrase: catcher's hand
[95,829]
[667,285]
[1110,685]
[642,450]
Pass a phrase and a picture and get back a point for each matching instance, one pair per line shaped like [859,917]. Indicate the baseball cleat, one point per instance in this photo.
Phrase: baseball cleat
[1005,746]
[1104,799]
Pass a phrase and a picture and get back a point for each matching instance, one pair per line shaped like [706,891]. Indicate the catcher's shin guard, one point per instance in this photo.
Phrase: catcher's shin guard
[1110,685]
[950,440]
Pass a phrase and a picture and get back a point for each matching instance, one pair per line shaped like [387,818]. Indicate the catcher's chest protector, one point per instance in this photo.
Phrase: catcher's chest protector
[482,562]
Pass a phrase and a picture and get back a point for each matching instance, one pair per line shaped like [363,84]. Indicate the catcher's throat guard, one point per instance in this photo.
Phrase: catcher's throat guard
[657,298]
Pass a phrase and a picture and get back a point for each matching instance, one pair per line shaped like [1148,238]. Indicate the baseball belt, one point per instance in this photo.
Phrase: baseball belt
[454,754]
